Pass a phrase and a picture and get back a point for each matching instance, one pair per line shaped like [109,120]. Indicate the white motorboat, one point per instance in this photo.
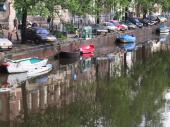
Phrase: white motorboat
[39,71]
[3,90]
[14,79]
[24,65]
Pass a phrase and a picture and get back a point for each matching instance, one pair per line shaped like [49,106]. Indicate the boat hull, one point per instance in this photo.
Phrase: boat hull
[65,54]
[126,39]
[128,47]
[164,30]
[39,71]
[24,65]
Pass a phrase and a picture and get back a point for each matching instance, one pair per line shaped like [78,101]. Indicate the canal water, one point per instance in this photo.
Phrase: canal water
[119,89]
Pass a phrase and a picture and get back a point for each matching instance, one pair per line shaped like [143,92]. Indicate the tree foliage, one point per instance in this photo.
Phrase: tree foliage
[83,7]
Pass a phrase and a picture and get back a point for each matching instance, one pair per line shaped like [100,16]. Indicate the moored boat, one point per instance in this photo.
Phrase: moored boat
[163,29]
[67,54]
[39,71]
[128,47]
[126,39]
[24,65]
[3,90]
[14,79]
[87,49]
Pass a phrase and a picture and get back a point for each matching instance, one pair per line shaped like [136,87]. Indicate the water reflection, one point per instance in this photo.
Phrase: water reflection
[163,37]
[122,89]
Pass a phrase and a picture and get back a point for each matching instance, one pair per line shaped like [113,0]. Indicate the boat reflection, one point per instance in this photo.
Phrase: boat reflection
[166,113]
[129,60]
[63,61]
[163,37]
[87,55]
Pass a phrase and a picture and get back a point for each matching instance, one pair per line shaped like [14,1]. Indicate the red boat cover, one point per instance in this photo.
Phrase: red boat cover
[87,48]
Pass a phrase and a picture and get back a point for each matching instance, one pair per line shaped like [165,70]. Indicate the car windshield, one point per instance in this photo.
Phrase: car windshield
[151,17]
[42,31]
[116,23]
[129,23]
[110,24]
[101,27]
[136,20]
[160,16]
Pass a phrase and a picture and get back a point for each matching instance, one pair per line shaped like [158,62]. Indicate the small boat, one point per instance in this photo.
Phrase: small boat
[24,65]
[39,71]
[66,54]
[128,47]
[163,29]
[17,78]
[126,39]
[87,49]
[3,90]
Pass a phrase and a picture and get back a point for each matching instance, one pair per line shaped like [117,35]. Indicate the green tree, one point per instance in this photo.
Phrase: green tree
[23,6]
[39,9]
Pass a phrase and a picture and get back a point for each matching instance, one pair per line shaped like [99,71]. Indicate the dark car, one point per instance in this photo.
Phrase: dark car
[39,35]
[98,29]
[146,22]
[136,22]
[153,19]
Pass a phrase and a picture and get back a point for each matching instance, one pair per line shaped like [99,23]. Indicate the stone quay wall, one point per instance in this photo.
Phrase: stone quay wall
[142,34]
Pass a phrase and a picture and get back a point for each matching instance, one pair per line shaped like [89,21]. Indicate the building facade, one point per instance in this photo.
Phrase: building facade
[7,14]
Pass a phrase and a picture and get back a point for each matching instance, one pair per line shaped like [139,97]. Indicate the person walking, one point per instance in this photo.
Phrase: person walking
[49,22]
[15,29]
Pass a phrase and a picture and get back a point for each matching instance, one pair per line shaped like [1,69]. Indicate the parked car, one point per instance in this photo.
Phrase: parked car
[162,18]
[99,29]
[136,22]
[39,35]
[146,22]
[129,24]
[5,44]
[118,25]
[110,26]
[153,19]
